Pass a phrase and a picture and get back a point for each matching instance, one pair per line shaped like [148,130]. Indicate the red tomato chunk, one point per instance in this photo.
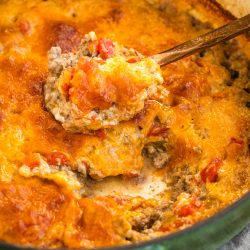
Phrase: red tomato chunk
[32,160]
[210,172]
[106,48]
[57,158]
[186,205]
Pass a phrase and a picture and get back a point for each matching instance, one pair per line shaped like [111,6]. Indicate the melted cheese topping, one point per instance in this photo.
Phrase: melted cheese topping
[190,140]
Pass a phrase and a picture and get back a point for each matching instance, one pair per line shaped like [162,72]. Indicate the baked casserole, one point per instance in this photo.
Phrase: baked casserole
[136,151]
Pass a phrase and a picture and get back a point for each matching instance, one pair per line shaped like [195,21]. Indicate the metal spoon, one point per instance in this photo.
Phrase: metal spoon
[202,42]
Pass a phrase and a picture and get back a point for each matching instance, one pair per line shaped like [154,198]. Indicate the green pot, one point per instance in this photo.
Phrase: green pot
[208,235]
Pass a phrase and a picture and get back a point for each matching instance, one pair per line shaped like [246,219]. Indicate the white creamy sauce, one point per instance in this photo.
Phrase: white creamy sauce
[149,187]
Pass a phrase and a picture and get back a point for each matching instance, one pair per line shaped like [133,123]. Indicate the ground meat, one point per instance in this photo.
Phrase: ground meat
[181,179]
[148,218]
[157,153]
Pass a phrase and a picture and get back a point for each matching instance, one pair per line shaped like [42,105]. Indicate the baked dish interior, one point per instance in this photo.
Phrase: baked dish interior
[99,146]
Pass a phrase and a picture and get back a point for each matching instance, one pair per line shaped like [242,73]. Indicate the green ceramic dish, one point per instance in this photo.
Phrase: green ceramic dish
[209,234]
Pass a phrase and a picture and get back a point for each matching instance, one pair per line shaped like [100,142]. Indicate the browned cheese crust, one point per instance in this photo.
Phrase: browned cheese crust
[181,159]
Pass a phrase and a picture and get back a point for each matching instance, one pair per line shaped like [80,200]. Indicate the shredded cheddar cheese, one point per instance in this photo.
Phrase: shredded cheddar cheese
[99,178]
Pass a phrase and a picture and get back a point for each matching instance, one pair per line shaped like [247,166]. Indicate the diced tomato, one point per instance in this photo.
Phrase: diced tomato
[66,89]
[237,141]
[157,129]
[24,27]
[100,133]
[186,205]
[57,158]
[106,48]
[32,160]
[176,224]
[165,229]
[186,210]
[210,172]
[134,59]
[235,148]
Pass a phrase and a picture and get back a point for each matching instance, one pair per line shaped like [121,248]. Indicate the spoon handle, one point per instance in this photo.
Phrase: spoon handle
[202,42]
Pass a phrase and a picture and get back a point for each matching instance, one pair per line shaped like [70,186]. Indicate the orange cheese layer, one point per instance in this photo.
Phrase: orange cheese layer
[206,124]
